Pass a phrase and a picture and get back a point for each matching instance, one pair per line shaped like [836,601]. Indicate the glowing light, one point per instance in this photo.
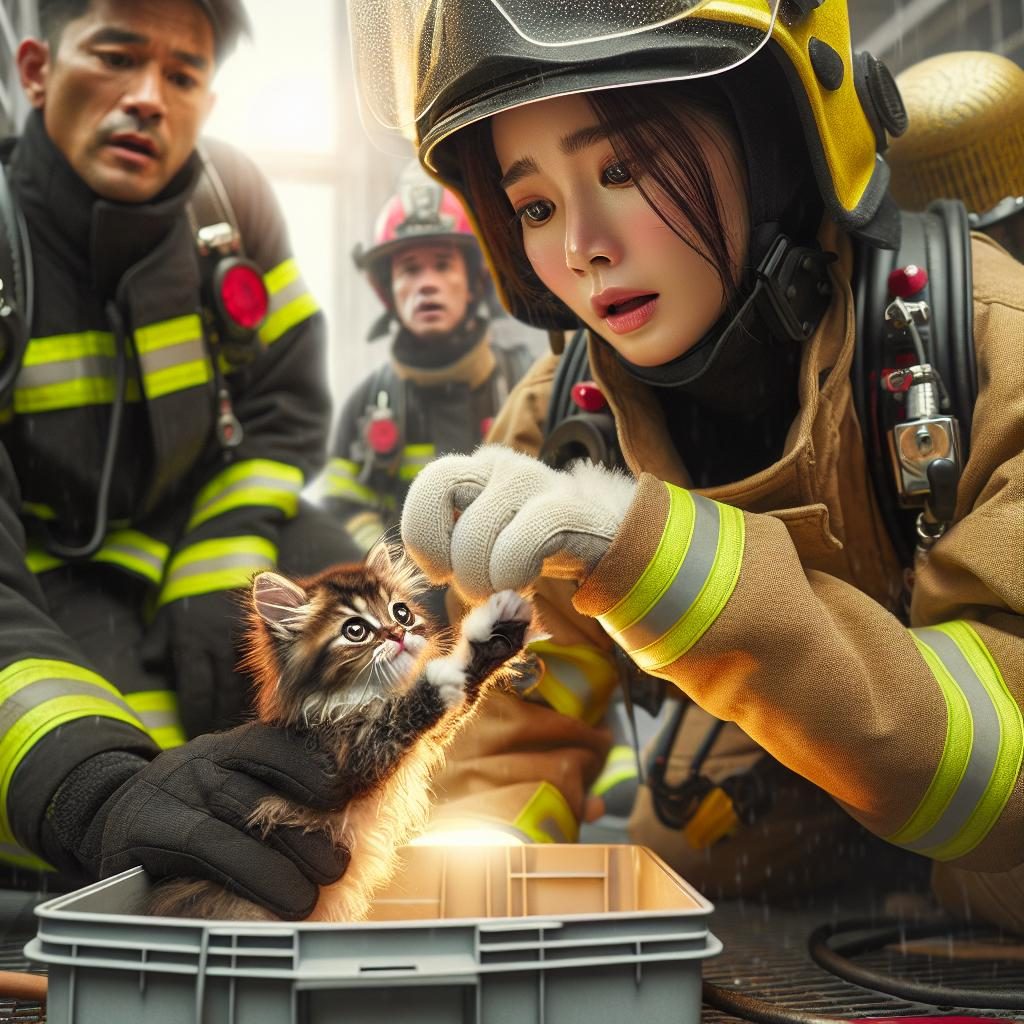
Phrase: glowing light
[467,837]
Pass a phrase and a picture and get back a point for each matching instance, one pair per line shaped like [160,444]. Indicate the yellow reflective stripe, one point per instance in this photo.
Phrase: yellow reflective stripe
[68,371]
[414,458]
[686,585]
[173,355]
[620,766]
[339,481]
[37,509]
[7,414]
[158,711]
[38,695]
[577,680]
[18,856]
[983,749]
[135,552]
[214,565]
[253,482]
[547,817]
[127,549]
[290,301]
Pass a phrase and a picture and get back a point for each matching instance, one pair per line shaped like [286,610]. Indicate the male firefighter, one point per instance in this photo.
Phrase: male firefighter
[166,404]
[965,141]
[451,366]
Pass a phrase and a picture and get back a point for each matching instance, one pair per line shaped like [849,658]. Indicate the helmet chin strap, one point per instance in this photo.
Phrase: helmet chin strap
[435,353]
[736,365]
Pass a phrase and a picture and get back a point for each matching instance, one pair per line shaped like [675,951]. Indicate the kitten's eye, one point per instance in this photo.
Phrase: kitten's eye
[355,630]
[402,615]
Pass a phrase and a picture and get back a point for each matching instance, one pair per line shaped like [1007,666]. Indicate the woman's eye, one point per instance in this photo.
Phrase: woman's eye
[355,630]
[616,174]
[402,615]
[535,213]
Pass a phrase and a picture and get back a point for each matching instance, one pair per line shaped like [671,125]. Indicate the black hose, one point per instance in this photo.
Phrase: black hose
[838,963]
[758,1010]
[99,532]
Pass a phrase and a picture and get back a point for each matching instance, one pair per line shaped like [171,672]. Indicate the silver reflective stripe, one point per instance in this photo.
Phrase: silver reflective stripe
[551,828]
[984,748]
[159,719]
[44,374]
[572,678]
[280,299]
[33,694]
[140,554]
[687,583]
[241,560]
[269,483]
[168,356]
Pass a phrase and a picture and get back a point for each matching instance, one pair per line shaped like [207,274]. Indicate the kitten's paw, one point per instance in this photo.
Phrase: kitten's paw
[500,614]
[448,677]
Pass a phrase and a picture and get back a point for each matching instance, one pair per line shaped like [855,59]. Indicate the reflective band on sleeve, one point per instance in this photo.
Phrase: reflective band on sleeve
[547,817]
[172,355]
[620,766]
[340,481]
[577,681]
[981,758]
[686,585]
[37,696]
[127,549]
[414,458]
[253,482]
[214,565]
[158,711]
[290,301]
[11,853]
[68,371]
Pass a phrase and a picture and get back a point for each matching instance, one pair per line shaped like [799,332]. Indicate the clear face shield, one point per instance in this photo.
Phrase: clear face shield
[423,64]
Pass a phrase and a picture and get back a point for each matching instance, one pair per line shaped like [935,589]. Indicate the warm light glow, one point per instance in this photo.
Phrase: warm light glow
[467,837]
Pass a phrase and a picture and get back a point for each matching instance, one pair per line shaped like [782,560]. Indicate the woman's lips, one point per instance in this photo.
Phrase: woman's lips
[632,314]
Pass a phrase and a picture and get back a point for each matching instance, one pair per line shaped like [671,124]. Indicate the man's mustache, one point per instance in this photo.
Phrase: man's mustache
[128,124]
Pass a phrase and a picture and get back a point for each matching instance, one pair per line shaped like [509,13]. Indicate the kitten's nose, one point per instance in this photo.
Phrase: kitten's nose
[397,634]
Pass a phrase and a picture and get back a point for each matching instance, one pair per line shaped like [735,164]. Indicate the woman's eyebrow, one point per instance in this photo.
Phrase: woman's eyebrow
[569,144]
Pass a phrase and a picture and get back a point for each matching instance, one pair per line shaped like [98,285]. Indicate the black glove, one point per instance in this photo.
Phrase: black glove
[185,813]
[195,641]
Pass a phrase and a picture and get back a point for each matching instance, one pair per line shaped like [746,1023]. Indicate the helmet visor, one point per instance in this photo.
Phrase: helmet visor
[410,54]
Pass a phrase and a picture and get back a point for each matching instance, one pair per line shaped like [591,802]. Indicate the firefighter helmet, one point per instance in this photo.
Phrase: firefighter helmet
[428,68]
[420,211]
[966,135]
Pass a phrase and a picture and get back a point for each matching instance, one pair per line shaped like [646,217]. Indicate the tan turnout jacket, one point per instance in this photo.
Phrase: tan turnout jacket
[916,733]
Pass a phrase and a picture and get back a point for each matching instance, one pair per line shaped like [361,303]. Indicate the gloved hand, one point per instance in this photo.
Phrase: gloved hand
[495,519]
[185,813]
[196,642]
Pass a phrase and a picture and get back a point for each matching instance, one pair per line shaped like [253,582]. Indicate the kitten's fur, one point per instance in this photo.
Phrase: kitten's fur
[386,707]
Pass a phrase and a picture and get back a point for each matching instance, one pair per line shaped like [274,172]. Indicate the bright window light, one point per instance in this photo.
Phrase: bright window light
[467,837]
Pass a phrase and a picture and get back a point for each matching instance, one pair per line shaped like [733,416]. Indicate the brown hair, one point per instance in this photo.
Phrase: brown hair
[663,154]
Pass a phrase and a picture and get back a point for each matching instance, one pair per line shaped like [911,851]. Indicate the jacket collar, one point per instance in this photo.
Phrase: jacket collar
[100,238]
[471,369]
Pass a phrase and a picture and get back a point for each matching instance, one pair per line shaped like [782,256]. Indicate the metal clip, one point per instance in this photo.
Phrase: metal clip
[900,314]
[229,430]
[221,238]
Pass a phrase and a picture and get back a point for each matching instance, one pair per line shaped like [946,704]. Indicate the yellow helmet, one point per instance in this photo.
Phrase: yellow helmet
[428,68]
[966,134]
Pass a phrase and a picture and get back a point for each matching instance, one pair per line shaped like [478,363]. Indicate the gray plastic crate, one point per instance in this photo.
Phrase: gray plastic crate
[466,935]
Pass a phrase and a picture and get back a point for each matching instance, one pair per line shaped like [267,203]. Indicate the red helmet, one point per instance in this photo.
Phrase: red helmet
[420,211]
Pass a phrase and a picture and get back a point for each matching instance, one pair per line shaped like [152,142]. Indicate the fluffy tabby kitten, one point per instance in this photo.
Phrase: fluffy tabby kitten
[347,655]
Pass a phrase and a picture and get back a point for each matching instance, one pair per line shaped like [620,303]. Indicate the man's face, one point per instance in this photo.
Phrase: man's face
[126,92]
[430,286]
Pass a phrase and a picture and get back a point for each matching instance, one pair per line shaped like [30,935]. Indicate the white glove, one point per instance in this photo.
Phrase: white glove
[495,519]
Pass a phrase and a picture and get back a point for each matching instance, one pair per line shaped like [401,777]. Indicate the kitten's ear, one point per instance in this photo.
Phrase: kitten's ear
[380,558]
[277,600]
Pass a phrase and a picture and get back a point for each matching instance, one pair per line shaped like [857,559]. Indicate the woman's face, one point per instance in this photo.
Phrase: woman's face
[594,241]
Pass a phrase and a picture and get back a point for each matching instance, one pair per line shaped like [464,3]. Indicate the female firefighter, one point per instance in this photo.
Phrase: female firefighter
[695,184]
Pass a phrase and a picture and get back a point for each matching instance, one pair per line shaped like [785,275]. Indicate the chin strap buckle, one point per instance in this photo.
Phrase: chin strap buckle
[794,289]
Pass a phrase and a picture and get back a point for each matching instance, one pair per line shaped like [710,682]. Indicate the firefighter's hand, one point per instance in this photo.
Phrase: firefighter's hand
[185,813]
[496,519]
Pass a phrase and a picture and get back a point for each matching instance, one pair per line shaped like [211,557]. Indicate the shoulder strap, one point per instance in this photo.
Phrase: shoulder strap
[16,289]
[573,367]
[937,239]
[210,211]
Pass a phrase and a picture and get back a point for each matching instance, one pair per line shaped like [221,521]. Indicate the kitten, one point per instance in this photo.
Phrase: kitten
[348,656]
